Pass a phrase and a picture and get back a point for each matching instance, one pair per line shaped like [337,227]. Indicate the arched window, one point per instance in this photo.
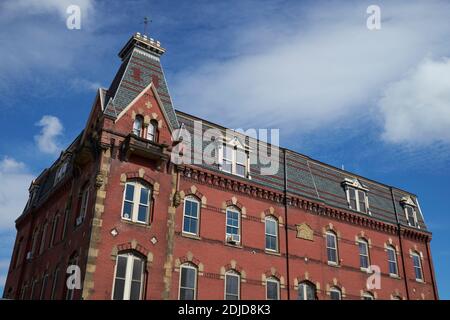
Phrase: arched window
[152,131]
[392,260]
[335,293]
[272,289]
[34,244]
[83,204]
[396,297]
[306,291]
[137,125]
[368,296]
[271,226]
[363,248]
[191,215]
[129,277]
[136,202]
[332,251]
[417,263]
[44,287]
[188,282]
[233,225]
[232,285]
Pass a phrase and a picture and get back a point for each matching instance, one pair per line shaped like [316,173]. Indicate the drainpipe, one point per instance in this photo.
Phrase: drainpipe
[286,224]
[400,242]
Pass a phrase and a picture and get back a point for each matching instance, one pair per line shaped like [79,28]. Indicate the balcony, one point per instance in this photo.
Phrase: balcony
[134,145]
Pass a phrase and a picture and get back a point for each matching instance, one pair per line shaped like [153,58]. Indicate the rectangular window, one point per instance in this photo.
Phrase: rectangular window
[129,275]
[417,267]
[234,160]
[188,283]
[232,283]
[55,284]
[233,226]
[136,202]
[332,248]
[43,238]
[363,254]
[392,260]
[54,229]
[191,216]
[83,206]
[44,287]
[357,199]
[272,289]
[411,216]
[271,234]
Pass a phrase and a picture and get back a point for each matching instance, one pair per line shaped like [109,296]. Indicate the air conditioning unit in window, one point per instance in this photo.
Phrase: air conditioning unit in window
[233,238]
[29,255]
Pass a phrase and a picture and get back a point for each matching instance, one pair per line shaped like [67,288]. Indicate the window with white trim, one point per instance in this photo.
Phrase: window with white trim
[363,248]
[233,225]
[54,230]
[60,172]
[136,202]
[271,227]
[332,252]
[191,215]
[335,293]
[368,296]
[272,289]
[129,277]
[233,159]
[55,283]
[392,260]
[137,125]
[43,238]
[232,285]
[152,131]
[411,216]
[43,287]
[83,205]
[417,263]
[188,282]
[357,199]
[306,291]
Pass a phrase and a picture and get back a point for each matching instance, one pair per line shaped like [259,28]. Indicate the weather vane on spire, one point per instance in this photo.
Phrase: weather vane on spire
[146,22]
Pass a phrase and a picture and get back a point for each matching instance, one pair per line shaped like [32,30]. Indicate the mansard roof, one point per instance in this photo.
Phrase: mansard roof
[318,181]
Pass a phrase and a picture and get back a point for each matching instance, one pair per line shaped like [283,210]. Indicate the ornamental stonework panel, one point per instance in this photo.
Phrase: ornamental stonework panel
[305,232]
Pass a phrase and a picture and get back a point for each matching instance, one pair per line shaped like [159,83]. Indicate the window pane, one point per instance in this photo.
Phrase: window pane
[191,208]
[232,284]
[241,156]
[331,241]
[144,195]
[335,295]
[127,210]
[228,153]
[135,290]
[137,269]
[119,286]
[143,213]
[187,277]
[186,294]
[240,169]
[121,267]
[272,290]
[271,242]
[271,227]
[226,166]
[129,192]
[310,292]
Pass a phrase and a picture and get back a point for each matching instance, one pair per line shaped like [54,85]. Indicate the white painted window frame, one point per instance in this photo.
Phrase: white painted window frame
[330,233]
[138,186]
[367,255]
[232,273]
[277,282]
[129,275]
[233,209]
[366,199]
[391,248]
[192,199]
[274,220]
[420,267]
[188,266]
[233,160]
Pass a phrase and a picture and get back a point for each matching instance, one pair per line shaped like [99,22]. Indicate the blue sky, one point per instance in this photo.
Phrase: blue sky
[377,102]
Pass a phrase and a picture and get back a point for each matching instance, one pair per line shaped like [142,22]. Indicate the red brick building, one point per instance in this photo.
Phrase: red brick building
[141,225]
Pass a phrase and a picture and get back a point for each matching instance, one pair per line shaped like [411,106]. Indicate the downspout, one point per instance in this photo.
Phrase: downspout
[286,225]
[400,242]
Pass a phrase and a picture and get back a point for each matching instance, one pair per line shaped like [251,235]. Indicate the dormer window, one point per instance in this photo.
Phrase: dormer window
[152,131]
[60,172]
[233,158]
[356,195]
[410,212]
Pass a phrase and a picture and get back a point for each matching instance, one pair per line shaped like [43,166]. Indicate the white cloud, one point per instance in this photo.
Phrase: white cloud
[416,109]
[47,138]
[328,70]
[15,180]
[85,85]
